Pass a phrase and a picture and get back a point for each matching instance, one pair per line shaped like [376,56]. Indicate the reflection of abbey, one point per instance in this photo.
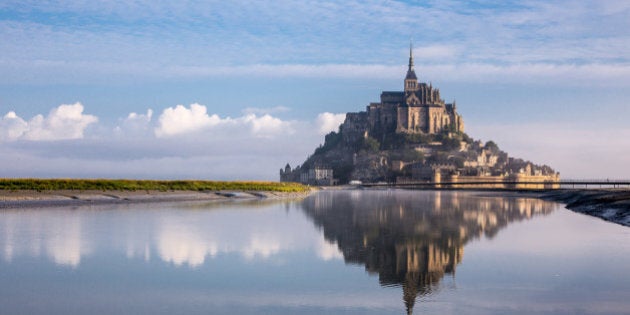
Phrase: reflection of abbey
[412,136]
[409,238]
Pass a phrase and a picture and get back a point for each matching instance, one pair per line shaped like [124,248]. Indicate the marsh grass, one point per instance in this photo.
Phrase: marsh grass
[133,185]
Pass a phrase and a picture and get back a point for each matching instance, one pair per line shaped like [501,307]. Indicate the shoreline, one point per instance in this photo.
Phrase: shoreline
[60,198]
[611,205]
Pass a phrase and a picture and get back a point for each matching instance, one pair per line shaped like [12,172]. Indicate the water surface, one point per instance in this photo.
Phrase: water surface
[335,252]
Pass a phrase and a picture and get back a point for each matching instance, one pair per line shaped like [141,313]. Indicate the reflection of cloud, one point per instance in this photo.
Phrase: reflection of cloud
[57,234]
[179,238]
[328,251]
[261,234]
[63,241]
[184,247]
[263,247]
[7,249]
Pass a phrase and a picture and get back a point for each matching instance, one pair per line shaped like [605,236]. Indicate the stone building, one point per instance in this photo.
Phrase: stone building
[417,109]
[317,175]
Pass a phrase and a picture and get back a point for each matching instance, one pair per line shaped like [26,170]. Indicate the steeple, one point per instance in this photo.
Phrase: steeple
[410,58]
[411,81]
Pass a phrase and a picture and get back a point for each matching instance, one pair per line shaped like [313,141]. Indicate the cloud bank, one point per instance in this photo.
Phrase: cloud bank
[182,142]
[64,122]
[190,142]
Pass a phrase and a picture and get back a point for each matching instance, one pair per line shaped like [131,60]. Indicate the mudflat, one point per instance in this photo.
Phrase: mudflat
[609,204]
[32,198]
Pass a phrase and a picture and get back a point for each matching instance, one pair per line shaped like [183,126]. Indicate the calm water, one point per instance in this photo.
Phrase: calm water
[343,252]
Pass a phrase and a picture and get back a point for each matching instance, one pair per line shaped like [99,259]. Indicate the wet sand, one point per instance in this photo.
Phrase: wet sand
[609,204]
[30,199]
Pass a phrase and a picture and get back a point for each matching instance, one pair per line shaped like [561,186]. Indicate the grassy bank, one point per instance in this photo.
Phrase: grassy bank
[133,185]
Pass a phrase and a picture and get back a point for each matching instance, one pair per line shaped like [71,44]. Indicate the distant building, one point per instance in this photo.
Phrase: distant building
[318,175]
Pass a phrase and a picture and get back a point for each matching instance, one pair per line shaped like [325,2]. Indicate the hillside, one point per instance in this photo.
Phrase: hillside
[415,157]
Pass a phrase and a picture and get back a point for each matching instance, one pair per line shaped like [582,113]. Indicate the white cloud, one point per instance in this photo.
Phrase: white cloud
[327,122]
[246,147]
[64,122]
[135,124]
[181,120]
[12,127]
[266,125]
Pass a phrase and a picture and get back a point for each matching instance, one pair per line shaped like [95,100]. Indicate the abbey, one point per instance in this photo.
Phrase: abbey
[417,109]
[412,136]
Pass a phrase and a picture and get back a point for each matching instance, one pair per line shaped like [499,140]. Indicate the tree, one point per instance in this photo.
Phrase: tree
[458,161]
[370,144]
[451,143]
[491,146]
[466,138]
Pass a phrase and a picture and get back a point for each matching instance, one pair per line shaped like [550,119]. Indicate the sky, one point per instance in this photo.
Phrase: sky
[233,90]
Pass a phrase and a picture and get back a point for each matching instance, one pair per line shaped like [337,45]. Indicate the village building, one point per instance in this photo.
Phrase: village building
[318,175]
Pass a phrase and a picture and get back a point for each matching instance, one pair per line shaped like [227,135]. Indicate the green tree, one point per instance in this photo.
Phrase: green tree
[370,144]
[491,146]
[451,143]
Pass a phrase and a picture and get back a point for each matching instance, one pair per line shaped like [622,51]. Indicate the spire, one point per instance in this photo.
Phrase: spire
[410,56]
[411,80]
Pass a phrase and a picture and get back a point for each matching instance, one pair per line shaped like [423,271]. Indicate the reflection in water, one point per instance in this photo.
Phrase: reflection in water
[251,232]
[186,235]
[58,234]
[287,257]
[412,238]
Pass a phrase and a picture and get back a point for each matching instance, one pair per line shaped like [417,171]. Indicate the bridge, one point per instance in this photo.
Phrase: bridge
[562,184]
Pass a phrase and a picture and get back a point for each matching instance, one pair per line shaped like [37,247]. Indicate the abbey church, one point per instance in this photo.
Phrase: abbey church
[417,109]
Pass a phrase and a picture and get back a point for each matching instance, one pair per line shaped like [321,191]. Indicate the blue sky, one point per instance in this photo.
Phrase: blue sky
[548,80]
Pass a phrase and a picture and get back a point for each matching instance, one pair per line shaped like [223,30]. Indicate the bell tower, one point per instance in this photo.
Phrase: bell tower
[411,81]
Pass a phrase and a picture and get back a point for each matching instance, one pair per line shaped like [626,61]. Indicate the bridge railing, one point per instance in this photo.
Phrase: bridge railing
[562,184]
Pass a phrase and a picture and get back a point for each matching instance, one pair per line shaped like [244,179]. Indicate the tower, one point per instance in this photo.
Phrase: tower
[411,81]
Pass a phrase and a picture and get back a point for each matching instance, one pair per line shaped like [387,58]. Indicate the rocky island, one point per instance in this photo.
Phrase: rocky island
[412,136]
